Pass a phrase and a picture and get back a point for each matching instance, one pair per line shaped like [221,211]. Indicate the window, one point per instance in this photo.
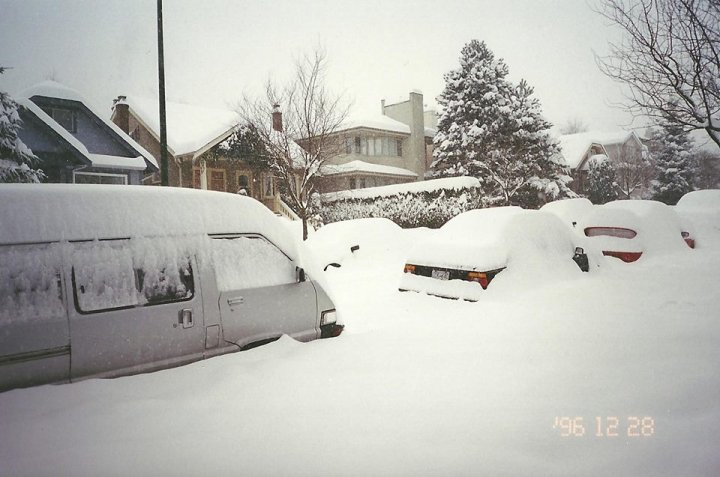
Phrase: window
[111,275]
[352,184]
[268,185]
[217,180]
[243,183]
[67,118]
[618,232]
[373,146]
[250,262]
[30,284]
[99,178]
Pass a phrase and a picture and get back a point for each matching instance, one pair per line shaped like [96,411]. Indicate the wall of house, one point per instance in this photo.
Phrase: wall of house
[411,112]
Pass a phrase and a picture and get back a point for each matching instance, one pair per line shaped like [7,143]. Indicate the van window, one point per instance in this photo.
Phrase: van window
[103,276]
[119,274]
[163,270]
[250,262]
[30,286]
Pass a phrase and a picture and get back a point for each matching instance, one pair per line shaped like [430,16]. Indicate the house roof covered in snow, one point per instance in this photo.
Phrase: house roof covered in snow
[379,122]
[365,167]
[191,129]
[52,89]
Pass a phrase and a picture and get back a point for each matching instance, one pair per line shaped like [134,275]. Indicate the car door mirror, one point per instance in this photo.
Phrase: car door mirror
[300,274]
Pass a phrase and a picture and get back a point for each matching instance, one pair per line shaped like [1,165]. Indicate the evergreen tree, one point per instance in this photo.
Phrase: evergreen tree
[494,130]
[245,144]
[602,187]
[671,148]
[16,159]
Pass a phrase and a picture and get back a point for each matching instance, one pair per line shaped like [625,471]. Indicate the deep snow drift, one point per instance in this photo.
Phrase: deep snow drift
[610,373]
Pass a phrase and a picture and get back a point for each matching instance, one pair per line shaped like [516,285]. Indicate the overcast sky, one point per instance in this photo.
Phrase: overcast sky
[216,50]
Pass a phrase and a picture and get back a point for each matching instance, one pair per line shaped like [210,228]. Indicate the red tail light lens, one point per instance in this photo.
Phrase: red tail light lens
[409,268]
[626,257]
[688,240]
[479,277]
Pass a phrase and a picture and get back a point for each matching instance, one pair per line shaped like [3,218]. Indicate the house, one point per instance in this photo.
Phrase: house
[196,157]
[393,147]
[625,150]
[577,150]
[74,143]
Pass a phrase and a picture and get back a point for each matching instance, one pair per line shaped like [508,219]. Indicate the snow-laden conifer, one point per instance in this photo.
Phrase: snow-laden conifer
[671,148]
[16,159]
[494,130]
[601,187]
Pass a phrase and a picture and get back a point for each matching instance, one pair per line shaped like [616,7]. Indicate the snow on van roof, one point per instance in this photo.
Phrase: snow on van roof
[33,213]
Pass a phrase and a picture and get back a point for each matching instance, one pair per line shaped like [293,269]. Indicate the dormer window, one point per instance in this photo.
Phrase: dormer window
[67,118]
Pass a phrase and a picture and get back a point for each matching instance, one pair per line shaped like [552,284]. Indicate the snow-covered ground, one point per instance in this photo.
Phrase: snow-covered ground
[608,373]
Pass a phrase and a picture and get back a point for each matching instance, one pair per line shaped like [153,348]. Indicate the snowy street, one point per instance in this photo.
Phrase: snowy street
[611,373]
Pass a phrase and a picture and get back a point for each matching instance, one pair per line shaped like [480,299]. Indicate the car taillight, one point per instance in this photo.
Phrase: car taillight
[480,277]
[688,240]
[409,268]
[626,257]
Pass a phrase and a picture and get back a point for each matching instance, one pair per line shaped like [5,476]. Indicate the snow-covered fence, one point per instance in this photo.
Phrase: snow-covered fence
[417,204]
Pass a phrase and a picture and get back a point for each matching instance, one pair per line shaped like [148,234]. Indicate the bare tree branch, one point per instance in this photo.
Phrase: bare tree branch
[669,60]
[310,116]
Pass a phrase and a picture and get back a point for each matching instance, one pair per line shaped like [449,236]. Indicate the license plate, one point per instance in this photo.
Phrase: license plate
[441,274]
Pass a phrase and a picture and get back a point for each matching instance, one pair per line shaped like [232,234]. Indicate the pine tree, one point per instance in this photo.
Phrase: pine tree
[671,148]
[602,187]
[16,159]
[494,130]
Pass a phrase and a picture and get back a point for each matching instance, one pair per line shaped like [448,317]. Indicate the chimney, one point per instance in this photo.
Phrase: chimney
[277,124]
[121,114]
[382,107]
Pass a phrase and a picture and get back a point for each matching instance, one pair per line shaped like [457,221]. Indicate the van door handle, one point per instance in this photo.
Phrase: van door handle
[186,318]
[236,301]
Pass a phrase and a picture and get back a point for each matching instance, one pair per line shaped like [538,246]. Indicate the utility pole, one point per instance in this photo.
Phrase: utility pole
[161,80]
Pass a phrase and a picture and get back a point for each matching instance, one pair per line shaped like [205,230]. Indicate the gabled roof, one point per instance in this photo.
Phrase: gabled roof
[96,160]
[53,89]
[365,167]
[575,148]
[190,129]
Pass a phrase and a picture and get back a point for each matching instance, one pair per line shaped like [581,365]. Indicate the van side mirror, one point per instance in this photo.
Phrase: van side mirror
[300,273]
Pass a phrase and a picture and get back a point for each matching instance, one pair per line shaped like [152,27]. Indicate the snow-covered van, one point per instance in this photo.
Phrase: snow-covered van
[103,281]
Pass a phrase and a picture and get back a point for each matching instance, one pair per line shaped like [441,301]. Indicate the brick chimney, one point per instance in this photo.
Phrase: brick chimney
[121,114]
[277,123]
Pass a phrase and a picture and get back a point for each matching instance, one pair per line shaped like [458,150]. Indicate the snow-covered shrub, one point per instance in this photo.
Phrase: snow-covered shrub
[429,206]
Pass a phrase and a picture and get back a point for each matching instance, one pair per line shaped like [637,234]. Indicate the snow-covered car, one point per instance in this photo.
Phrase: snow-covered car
[472,249]
[570,211]
[626,229]
[103,281]
[699,212]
